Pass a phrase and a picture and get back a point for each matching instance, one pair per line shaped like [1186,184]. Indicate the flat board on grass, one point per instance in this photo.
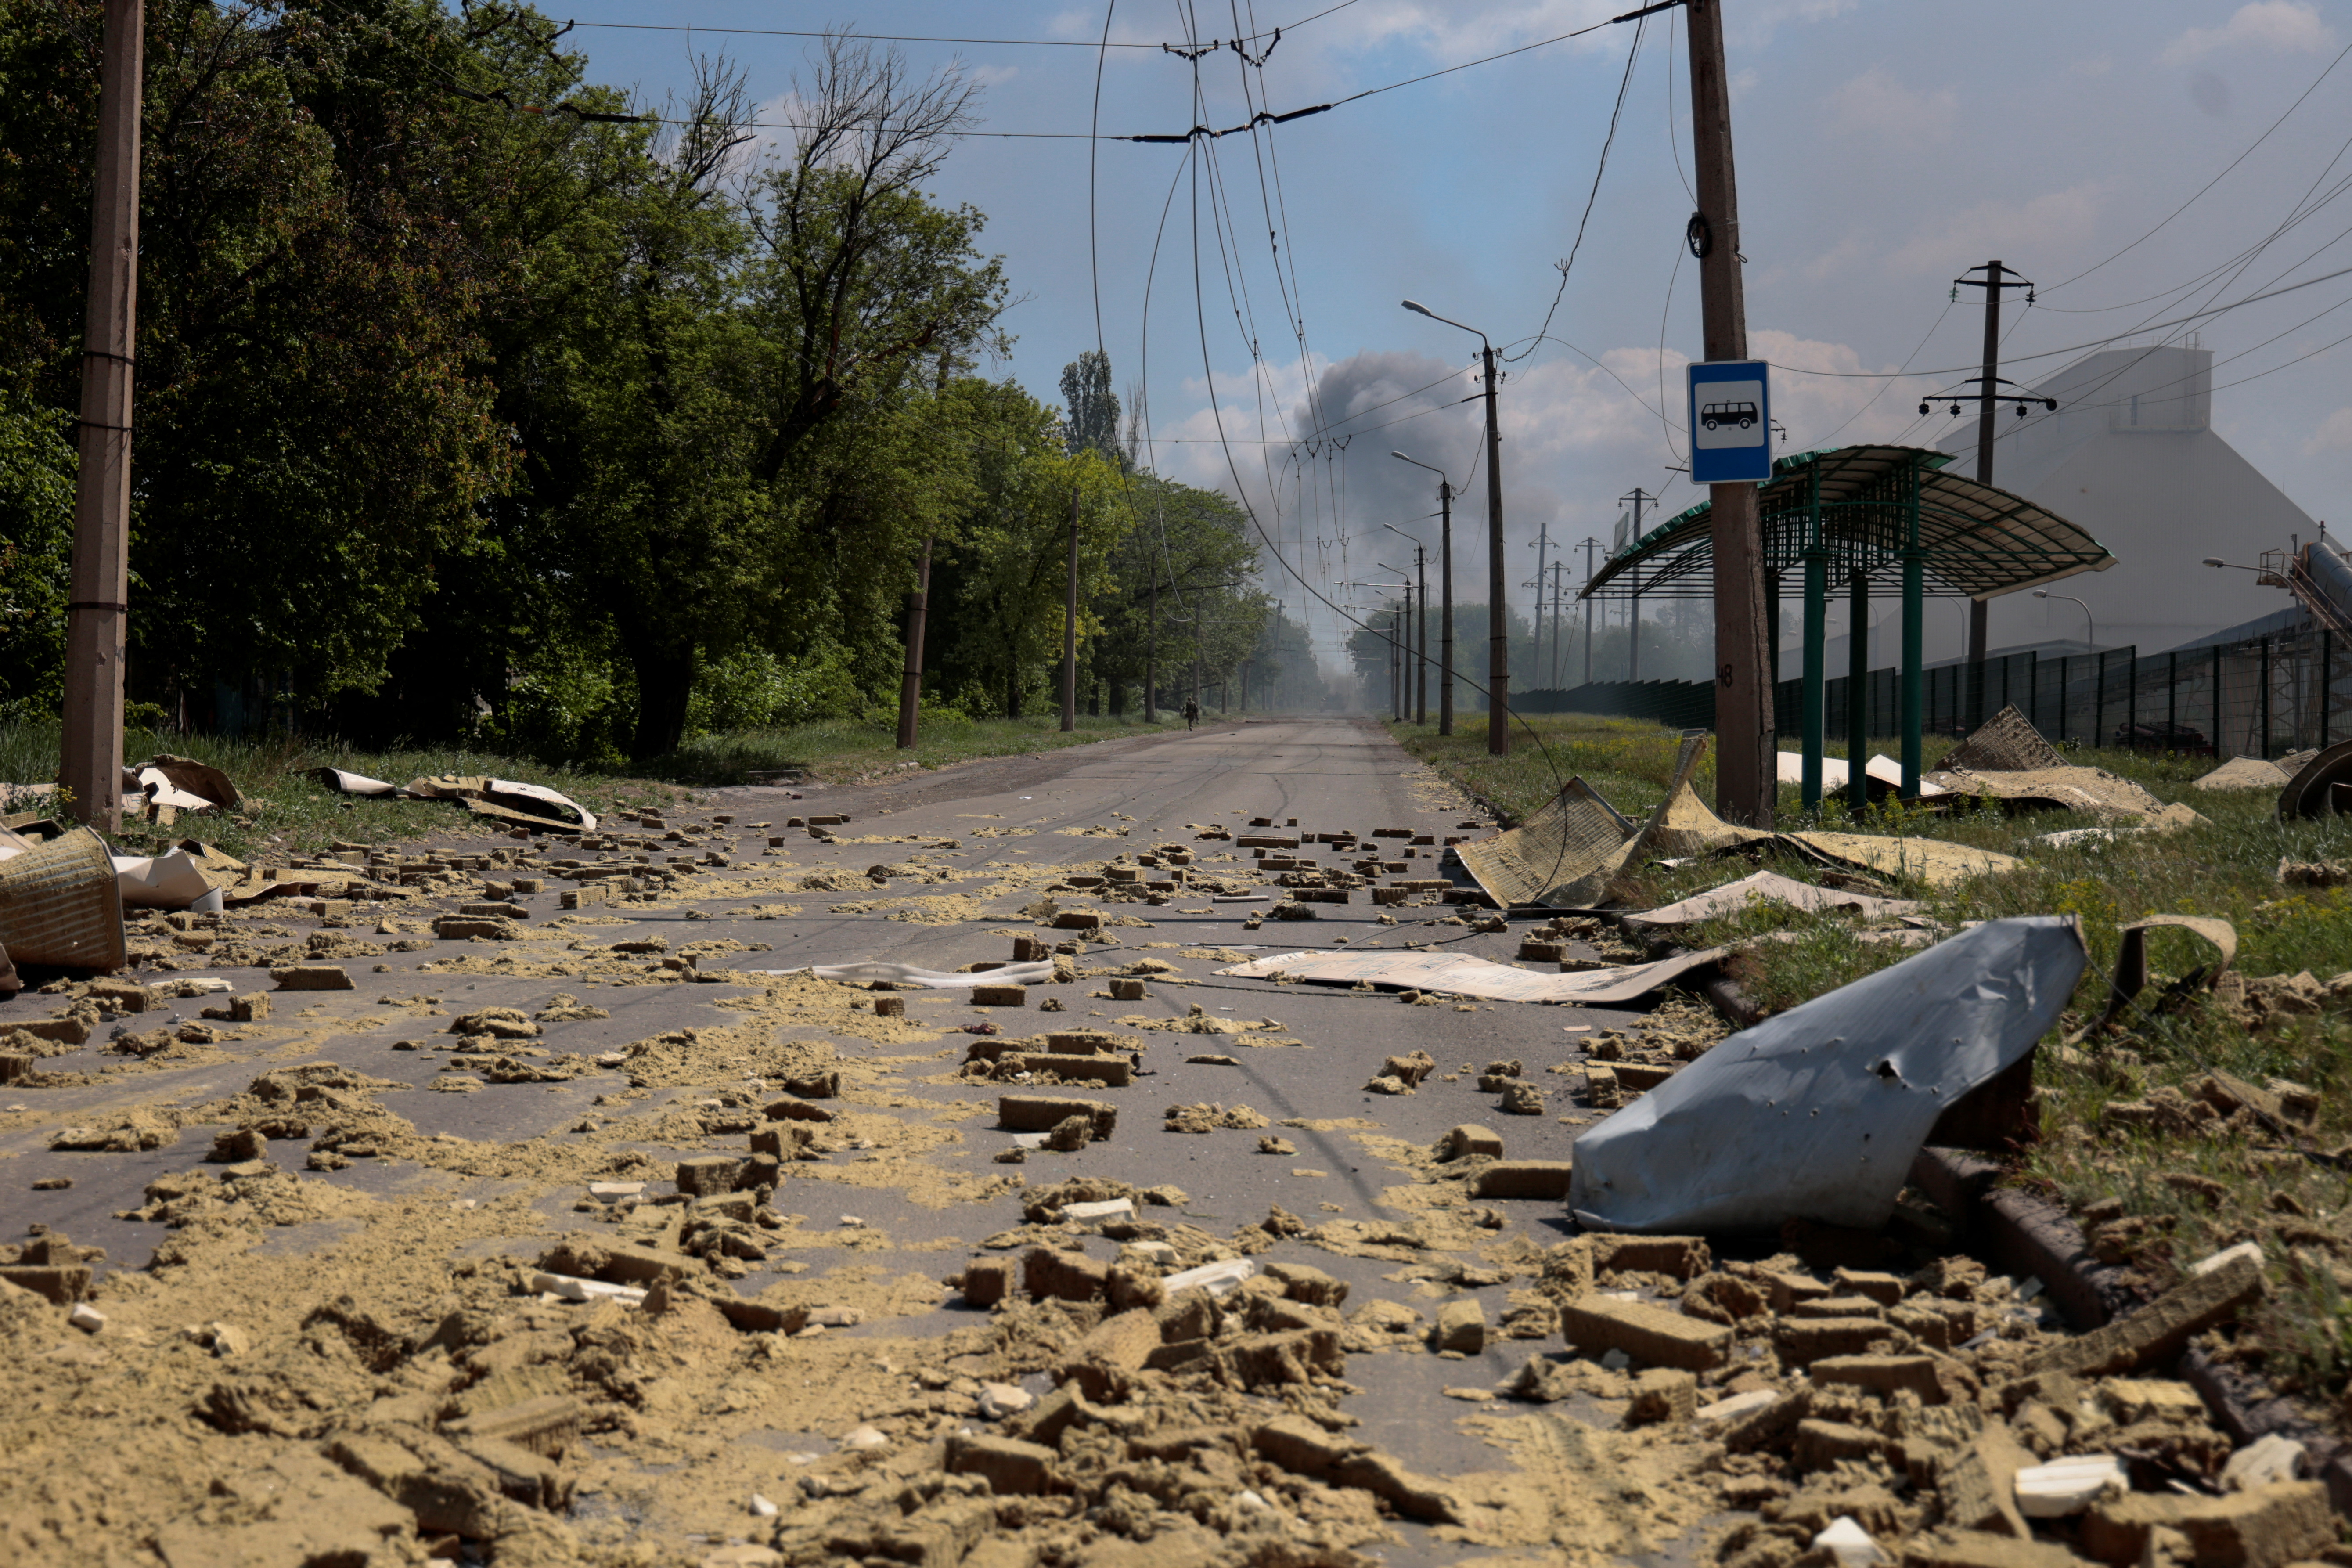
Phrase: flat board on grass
[1770,888]
[1461,975]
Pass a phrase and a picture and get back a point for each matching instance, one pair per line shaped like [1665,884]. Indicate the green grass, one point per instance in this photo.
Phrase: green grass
[2177,1196]
[286,811]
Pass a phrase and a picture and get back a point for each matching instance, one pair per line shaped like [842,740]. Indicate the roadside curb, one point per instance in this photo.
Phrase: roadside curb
[2026,1234]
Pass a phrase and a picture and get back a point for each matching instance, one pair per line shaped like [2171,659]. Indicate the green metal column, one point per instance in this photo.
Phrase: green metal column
[1857,694]
[1915,637]
[1817,608]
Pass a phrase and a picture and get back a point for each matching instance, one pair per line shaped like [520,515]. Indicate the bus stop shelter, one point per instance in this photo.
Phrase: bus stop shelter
[1855,518]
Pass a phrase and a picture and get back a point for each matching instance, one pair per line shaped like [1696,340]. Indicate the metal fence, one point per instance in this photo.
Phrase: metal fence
[2265,697]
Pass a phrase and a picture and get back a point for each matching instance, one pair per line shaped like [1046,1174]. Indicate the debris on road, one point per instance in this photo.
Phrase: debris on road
[62,902]
[1460,974]
[1037,972]
[1816,1113]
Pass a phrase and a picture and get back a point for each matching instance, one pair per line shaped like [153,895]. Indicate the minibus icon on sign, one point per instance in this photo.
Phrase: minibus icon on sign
[1730,412]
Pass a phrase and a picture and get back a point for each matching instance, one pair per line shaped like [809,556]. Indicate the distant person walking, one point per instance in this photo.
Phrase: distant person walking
[1192,712]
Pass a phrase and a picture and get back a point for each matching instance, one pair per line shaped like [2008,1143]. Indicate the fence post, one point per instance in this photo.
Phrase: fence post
[2262,693]
[2326,674]
[2171,699]
[2098,697]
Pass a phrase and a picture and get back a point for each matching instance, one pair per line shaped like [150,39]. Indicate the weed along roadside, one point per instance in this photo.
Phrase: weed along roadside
[671,1173]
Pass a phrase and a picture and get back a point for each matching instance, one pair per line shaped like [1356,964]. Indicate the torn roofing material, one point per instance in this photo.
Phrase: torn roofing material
[1461,975]
[2005,743]
[1576,849]
[1573,839]
[1567,863]
[2092,790]
[1936,862]
[507,800]
[2322,786]
[60,904]
[1817,1112]
[1768,888]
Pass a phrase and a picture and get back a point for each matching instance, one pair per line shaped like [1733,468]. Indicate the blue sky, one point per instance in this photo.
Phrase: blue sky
[1884,147]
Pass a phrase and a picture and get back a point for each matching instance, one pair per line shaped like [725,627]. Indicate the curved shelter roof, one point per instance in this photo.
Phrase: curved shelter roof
[1854,505]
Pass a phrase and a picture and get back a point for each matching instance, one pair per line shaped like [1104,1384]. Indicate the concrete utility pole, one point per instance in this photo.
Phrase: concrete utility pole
[1070,628]
[1745,771]
[910,692]
[1498,636]
[1151,657]
[1557,568]
[1590,544]
[1639,498]
[1421,634]
[1543,545]
[1446,587]
[1498,622]
[1996,277]
[97,615]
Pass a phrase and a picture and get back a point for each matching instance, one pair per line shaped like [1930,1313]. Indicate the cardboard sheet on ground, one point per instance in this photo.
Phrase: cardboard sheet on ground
[1463,975]
[1038,974]
[2171,819]
[1938,862]
[1817,1113]
[1770,888]
[2093,790]
[173,882]
[1884,773]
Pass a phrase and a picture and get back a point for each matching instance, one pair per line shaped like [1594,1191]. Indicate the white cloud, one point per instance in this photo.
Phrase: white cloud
[1876,107]
[2333,434]
[2049,224]
[2288,27]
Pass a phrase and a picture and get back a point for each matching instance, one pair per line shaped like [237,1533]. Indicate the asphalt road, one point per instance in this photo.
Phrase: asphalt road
[1327,775]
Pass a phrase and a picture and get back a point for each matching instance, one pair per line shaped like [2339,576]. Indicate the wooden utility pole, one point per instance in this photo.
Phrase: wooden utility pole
[1070,628]
[97,615]
[910,689]
[1498,614]
[1745,771]
[1420,635]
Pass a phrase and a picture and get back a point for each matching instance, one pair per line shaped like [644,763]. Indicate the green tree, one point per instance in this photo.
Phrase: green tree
[1092,422]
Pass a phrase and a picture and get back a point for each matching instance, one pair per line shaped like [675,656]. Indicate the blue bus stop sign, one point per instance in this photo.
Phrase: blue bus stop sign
[1730,423]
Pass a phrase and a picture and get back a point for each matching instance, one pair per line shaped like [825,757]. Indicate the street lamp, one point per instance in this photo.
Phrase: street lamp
[2090,632]
[1445,585]
[1498,642]
[1420,624]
